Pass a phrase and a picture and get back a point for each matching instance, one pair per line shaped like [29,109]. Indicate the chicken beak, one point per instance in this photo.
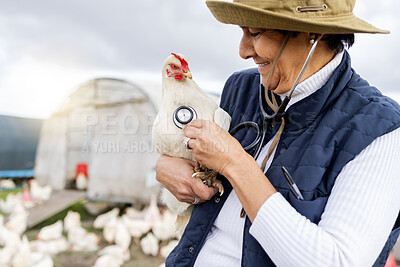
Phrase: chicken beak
[188,74]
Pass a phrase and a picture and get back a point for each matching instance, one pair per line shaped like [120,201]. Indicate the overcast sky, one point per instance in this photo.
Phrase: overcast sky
[48,48]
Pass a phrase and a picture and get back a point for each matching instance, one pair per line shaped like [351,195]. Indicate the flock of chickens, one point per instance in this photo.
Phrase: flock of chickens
[153,230]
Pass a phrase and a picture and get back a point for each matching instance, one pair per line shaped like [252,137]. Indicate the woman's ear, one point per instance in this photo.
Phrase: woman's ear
[312,37]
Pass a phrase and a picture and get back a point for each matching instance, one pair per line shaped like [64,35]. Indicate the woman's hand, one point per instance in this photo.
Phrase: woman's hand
[176,175]
[218,150]
[213,146]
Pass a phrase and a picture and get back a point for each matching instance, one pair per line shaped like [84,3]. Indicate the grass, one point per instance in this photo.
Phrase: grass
[77,207]
[4,193]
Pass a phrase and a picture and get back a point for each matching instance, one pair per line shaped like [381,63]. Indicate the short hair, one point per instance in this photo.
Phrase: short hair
[335,42]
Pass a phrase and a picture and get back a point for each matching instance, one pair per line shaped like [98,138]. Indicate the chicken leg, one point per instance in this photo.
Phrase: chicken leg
[208,176]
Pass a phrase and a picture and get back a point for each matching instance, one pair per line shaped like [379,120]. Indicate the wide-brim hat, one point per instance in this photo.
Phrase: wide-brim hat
[315,16]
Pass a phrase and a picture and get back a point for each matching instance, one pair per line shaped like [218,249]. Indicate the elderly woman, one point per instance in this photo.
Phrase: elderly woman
[336,202]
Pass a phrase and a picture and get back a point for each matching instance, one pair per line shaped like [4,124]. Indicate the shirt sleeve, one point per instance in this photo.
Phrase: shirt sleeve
[357,220]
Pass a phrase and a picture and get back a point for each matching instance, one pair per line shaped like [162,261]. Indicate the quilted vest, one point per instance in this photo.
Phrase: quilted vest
[324,131]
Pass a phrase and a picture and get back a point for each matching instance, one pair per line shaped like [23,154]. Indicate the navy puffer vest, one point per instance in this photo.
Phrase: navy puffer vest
[324,131]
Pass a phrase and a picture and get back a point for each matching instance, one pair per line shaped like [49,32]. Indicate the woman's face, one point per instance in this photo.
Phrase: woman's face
[263,45]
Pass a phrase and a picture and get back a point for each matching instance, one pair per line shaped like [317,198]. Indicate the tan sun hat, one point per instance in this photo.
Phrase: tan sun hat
[315,16]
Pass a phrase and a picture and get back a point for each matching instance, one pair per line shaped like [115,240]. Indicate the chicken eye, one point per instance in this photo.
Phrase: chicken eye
[174,67]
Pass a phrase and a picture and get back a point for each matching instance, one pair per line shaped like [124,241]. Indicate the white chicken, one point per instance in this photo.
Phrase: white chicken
[182,101]
[164,229]
[133,213]
[23,256]
[51,232]
[39,193]
[51,247]
[110,229]
[117,251]
[41,260]
[7,205]
[152,213]
[104,218]
[81,240]
[122,235]
[75,234]
[166,250]
[9,245]
[108,260]
[149,245]
[81,181]
[17,221]
[6,256]
[89,242]
[136,227]
[9,238]
[7,184]
[71,220]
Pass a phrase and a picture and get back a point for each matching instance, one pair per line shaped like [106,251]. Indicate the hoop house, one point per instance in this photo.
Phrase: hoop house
[106,124]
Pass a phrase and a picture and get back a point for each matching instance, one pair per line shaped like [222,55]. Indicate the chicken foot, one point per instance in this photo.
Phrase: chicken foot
[208,176]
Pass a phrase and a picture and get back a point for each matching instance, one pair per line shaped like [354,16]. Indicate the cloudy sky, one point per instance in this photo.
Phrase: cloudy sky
[48,48]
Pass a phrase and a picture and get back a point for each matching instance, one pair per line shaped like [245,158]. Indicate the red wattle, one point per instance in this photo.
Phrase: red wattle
[178,77]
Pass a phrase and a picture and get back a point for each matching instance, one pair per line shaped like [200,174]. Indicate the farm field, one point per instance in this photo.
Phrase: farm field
[69,258]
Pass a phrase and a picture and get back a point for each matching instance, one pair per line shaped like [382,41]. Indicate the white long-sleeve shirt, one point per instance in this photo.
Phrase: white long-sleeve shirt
[354,226]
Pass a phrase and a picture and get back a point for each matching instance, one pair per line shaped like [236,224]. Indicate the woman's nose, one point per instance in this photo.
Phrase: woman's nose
[246,48]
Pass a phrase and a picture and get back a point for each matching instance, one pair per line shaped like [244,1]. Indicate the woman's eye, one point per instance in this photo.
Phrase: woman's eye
[254,34]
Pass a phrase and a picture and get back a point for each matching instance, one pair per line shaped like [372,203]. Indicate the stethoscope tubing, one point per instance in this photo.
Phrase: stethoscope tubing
[280,112]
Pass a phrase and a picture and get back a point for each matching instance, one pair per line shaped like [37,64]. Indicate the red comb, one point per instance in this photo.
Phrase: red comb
[184,63]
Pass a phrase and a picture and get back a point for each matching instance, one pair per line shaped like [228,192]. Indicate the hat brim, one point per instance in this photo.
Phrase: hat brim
[243,15]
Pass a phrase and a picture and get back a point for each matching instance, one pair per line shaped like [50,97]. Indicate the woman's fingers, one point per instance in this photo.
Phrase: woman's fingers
[197,190]
[198,123]
[176,175]
[192,132]
[212,146]
[203,191]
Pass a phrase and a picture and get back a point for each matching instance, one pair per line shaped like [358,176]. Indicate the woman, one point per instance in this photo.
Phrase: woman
[339,140]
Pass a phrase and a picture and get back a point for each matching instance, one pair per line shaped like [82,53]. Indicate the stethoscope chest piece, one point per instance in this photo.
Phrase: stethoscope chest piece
[183,115]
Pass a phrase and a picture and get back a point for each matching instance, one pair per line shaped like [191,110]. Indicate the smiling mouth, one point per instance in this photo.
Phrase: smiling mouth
[264,64]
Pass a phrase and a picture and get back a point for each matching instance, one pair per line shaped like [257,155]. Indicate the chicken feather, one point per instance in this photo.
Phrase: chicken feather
[178,89]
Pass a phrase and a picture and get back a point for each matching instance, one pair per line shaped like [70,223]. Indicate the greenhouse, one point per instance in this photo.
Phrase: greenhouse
[106,125]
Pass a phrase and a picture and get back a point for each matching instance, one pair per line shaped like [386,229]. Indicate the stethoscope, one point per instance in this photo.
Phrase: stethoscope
[185,114]
[258,141]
